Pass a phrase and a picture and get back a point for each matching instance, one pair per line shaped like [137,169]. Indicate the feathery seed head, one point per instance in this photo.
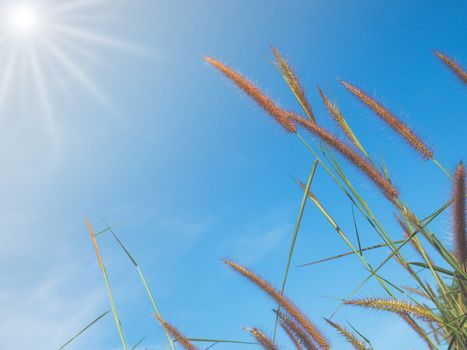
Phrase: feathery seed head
[351,338]
[396,124]
[291,335]
[339,118]
[419,330]
[453,65]
[288,323]
[369,170]
[460,237]
[293,82]
[396,306]
[284,303]
[262,338]
[255,93]
[184,342]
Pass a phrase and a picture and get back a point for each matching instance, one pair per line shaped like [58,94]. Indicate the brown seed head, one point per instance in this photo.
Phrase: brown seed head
[256,94]
[262,339]
[392,121]
[305,339]
[294,83]
[396,306]
[460,237]
[291,336]
[419,330]
[453,65]
[284,303]
[184,342]
[351,338]
[388,189]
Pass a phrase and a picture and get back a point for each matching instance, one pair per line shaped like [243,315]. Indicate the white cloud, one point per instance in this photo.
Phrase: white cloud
[257,242]
[45,315]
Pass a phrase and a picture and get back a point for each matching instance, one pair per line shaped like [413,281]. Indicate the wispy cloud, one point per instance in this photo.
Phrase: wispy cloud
[258,241]
[47,314]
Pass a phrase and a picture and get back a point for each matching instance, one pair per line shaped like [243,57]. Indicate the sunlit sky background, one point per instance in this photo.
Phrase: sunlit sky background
[107,109]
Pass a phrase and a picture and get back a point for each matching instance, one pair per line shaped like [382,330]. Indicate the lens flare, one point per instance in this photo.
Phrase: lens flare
[23,19]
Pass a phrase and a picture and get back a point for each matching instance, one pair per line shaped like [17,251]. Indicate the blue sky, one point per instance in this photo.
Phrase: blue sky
[143,133]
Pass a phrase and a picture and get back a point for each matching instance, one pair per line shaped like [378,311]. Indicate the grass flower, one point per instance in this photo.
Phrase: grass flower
[419,330]
[262,339]
[255,93]
[294,83]
[460,238]
[367,168]
[284,303]
[339,118]
[396,306]
[184,342]
[392,121]
[297,330]
[453,65]
[349,336]
[291,336]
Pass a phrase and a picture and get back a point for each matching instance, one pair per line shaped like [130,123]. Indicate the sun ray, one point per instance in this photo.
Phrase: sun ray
[91,37]
[77,73]
[77,5]
[80,50]
[41,89]
[49,46]
[7,73]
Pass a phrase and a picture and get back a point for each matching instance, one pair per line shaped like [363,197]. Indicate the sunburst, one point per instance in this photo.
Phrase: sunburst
[46,46]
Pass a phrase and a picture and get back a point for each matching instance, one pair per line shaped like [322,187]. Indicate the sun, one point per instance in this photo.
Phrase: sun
[50,50]
[24,19]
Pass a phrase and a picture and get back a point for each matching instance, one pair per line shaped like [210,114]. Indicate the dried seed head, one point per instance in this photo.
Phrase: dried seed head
[392,121]
[460,237]
[351,338]
[184,342]
[305,339]
[388,189]
[453,65]
[339,118]
[396,306]
[284,303]
[262,339]
[256,94]
[291,336]
[294,83]
[418,292]
[419,330]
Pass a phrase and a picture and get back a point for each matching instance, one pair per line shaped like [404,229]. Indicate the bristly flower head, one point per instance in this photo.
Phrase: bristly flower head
[339,118]
[368,169]
[262,339]
[419,330]
[291,336]
[453,65]
[297,331]
[293,82]
[392,121]
[396,306]
[284,303]
[255,93]
[460,237]
[351,338]
[184,342]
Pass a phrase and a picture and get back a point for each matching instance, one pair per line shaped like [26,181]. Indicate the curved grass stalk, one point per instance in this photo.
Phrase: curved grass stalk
[294,239]
[143,280]
[107,285]
[83,330]
[383,245]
